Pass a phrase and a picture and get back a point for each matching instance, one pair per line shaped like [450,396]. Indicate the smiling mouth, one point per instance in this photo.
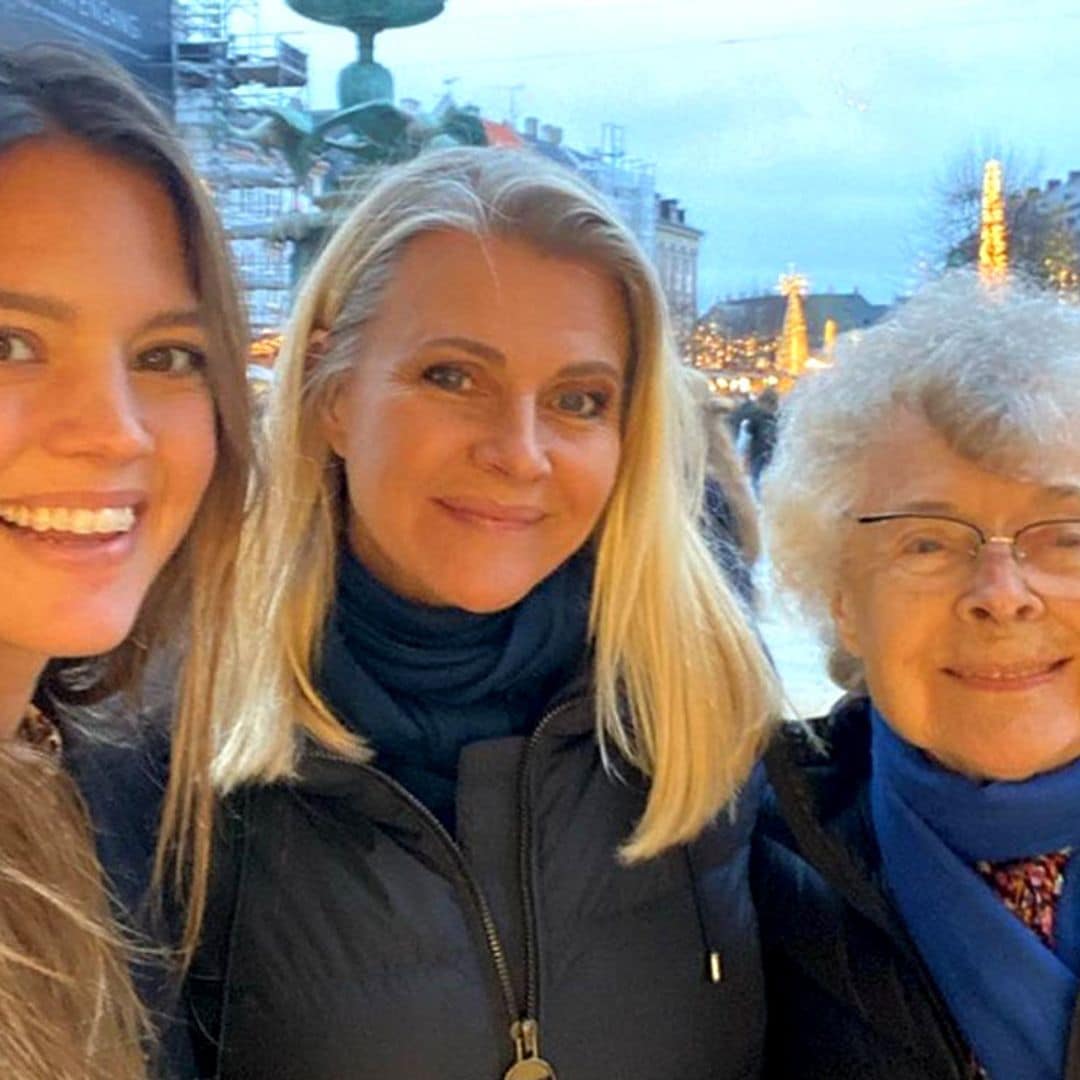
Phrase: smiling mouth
[63,523]
[1007,675]
[492,514]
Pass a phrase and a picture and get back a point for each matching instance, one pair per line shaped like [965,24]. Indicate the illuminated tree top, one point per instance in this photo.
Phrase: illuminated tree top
[792,282]
[993,236]
[794,348]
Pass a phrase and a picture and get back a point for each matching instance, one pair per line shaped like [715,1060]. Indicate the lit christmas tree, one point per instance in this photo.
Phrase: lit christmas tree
[993,236]
[794,349]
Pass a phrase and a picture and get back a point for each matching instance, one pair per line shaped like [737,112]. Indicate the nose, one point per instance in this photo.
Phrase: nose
[512,442]
[97,413]
[999,591]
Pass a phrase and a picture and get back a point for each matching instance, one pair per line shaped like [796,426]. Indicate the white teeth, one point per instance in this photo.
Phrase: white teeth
[82,522]
[78,520]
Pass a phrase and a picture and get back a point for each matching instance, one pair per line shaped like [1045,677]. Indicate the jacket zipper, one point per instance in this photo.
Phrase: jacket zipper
[532,962]
[523,1030]
[479,902]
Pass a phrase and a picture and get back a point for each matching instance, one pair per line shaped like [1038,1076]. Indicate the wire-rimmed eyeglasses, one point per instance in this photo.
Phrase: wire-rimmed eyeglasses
[938,546]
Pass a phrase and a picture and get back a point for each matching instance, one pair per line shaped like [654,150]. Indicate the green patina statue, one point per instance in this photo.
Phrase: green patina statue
[365,80]
[368,129]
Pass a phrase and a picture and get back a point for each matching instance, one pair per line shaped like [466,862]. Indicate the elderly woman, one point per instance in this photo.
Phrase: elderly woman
[919,905]
[499,698]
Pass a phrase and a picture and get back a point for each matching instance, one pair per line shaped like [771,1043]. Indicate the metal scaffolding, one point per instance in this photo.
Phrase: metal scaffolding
[225,79]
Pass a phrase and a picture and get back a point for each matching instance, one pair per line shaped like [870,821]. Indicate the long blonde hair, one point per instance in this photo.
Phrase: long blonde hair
[55,926]
[682,689]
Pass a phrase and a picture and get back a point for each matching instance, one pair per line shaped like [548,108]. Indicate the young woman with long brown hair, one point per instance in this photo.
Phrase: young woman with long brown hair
[123,470]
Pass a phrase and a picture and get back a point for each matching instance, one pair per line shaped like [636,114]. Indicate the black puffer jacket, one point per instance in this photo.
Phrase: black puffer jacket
[849,998]
[352,939]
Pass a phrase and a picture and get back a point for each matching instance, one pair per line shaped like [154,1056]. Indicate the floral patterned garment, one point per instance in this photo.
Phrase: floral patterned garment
[1030,889]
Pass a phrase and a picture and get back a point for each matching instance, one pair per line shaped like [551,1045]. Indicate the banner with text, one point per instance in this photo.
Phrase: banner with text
[135,32]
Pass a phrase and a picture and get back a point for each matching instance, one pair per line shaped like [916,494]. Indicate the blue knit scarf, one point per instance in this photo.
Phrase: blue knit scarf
[420,683]
[1012,996]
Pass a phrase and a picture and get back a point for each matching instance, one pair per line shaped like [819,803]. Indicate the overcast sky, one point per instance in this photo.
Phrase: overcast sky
[809,134]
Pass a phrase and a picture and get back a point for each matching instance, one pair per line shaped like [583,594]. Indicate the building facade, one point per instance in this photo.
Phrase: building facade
[739,344]
[1062,196]
[676,259]
[658,223]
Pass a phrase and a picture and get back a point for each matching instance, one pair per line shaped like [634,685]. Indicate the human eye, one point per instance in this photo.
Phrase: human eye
[451,377]
[1053,545]
[583,404]
[176,360]
[17,347]
[931,547]
[1065,534]
[923,543]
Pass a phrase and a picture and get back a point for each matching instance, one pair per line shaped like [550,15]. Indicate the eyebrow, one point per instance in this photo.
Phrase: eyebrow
[1056,493]
[37,305]
[488,352]
[167,319]
[469,345]
[593,367]
[58,310]
[926,506]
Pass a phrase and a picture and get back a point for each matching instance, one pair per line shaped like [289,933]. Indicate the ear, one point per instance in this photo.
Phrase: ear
[333,411]
[316,347]
[333,416]
[842,607]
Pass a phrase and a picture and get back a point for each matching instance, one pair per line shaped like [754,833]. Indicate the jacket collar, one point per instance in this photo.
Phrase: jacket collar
[569,714]
[832,754]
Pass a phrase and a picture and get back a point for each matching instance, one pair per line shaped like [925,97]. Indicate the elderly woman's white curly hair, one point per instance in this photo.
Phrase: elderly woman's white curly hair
[995,371]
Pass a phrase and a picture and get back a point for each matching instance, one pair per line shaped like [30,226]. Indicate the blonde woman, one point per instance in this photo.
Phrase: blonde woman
[123,448]
[482,812]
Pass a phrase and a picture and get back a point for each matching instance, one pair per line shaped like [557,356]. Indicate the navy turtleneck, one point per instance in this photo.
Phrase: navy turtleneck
[420,683]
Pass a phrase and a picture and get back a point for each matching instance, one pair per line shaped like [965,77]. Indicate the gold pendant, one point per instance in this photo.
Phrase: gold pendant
[530,1069]
[529,1065]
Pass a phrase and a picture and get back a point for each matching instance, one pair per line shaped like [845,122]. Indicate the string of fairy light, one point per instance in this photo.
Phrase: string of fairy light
[993,232]
[748,364]
[1059,264]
